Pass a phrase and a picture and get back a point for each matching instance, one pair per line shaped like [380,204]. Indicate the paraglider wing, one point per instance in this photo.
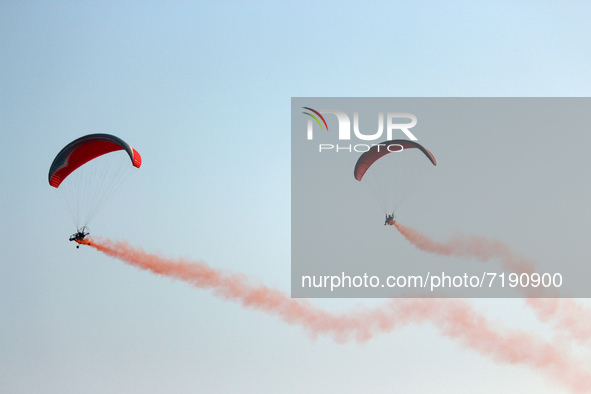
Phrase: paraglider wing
[84,149]
[87,170]
[378,151]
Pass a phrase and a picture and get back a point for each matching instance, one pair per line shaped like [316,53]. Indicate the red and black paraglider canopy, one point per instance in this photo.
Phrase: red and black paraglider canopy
[390,170]
[87,170]
[85,149]
[382,149]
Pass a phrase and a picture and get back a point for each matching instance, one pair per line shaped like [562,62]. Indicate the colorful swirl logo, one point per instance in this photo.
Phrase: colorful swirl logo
[315,118]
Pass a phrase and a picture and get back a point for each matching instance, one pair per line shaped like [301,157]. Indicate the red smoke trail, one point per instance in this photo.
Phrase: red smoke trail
[454,318]
[565,314]
[472,246]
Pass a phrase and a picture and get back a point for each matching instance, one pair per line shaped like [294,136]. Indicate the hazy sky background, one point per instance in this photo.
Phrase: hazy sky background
[203,91]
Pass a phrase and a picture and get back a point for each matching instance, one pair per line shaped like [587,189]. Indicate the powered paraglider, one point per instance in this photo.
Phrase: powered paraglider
[390,171]
[86,171]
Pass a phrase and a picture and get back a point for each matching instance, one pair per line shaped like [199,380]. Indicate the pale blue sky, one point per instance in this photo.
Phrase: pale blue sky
[203,91]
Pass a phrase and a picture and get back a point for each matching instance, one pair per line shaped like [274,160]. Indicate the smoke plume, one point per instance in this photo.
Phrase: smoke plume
[564,314]
[455,319]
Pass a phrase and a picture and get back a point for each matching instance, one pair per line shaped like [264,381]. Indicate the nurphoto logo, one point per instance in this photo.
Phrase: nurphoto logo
[391,124]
